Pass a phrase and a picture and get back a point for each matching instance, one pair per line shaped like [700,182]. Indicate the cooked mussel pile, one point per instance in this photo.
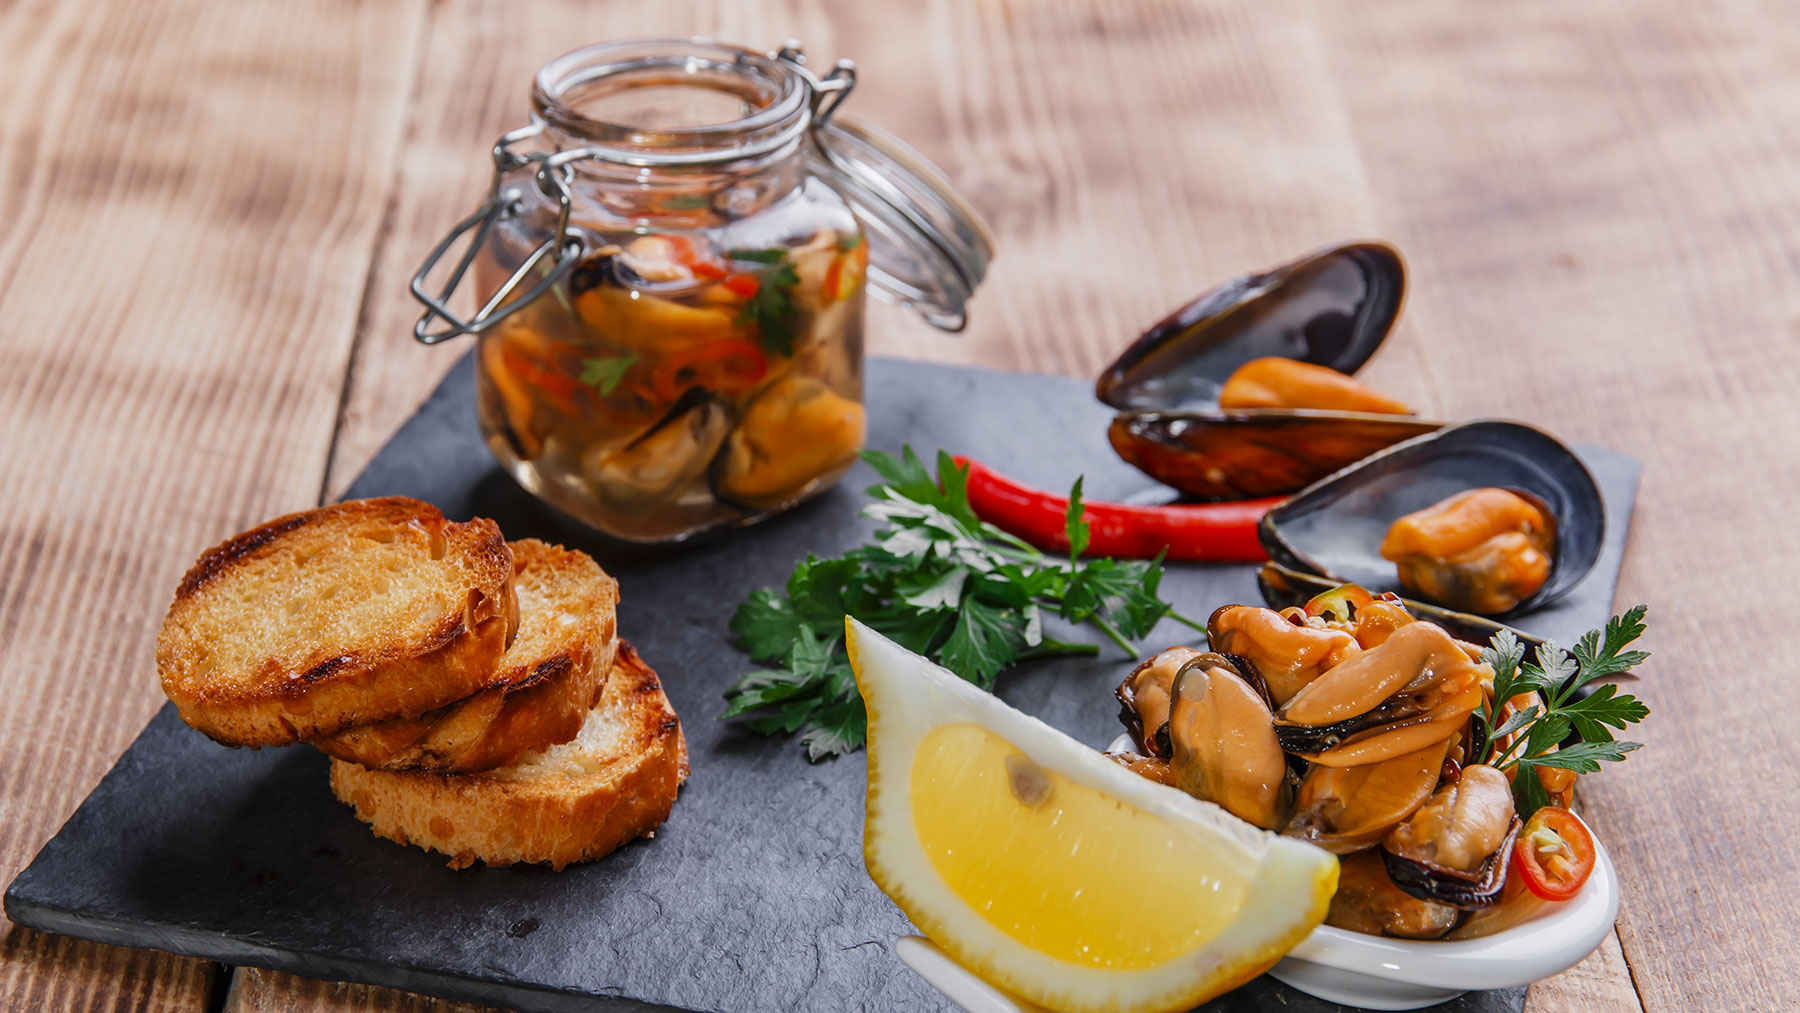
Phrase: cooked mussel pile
[1247,391]
[1347,722]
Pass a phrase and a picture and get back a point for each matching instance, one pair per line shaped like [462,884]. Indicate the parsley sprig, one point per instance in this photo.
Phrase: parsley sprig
[605,374]
[940,581]
[772,308]
[1557,675]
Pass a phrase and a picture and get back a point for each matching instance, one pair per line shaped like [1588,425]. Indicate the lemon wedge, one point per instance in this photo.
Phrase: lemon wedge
[1054,873]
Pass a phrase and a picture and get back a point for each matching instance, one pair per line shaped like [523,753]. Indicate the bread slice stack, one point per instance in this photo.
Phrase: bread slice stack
[473,694]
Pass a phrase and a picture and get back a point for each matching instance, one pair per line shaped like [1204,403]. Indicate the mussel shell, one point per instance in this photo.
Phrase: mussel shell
[1153,742]
[1335,526]
[1451,886]
[1312,740]
[1332,307]
[1287,588]
[1237,665]
[696,407]
[1242,453]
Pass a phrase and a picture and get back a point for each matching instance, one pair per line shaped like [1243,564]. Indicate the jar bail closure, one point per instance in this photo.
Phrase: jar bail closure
[928,248]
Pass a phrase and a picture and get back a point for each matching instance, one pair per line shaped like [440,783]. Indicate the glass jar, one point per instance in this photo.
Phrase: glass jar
[671,269]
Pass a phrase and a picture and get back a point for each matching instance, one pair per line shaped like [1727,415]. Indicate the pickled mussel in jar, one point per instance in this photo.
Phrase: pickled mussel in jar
[682,386]
[1481,551]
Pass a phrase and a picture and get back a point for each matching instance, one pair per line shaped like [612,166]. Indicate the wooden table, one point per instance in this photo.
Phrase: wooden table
[208,212]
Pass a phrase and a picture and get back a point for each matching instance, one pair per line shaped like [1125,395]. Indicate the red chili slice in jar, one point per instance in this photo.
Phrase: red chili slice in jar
[698,263]
[743,285]
[555,386]
[724,367]
[1554,854]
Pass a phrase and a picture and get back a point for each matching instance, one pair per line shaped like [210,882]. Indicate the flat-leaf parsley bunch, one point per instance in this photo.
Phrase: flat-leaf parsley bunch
[1556,676]
[940,581]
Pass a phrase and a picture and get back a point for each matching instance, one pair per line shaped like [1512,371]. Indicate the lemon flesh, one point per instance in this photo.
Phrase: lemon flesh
[1059,866]
[1054,873]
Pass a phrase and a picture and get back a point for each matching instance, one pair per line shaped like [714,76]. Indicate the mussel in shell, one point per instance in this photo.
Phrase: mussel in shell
[794,435]
[1467,889]
[1144,699]
[1222,745]
[1418,687]
[1331,308]
[1335,528]
[659,463]
[1287,656]
[1347,809]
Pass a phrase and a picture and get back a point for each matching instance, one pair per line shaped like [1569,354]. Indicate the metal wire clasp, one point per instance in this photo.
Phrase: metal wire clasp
[828,92]
[554,176]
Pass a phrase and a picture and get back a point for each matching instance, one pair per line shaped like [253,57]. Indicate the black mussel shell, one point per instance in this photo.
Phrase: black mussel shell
[1314,739]
[1237,665]
[1332,307]
[1449,886]
[602,267]
[1335,526]
[1287,588]
[1149,742]
[1224,454]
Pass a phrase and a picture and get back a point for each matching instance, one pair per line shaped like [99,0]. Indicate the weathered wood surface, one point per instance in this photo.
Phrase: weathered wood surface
[208,212]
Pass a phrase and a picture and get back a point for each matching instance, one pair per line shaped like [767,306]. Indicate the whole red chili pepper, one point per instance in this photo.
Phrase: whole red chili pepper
[1201,532]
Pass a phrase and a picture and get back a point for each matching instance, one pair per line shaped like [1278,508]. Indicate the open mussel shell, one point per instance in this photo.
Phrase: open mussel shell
[1450,886]
[1332,308]
[1334,527]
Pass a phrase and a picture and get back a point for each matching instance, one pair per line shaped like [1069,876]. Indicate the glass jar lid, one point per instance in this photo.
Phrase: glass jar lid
[927,247]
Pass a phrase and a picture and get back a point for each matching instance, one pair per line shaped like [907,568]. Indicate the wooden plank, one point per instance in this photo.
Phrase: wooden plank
[1601,208]
[191,193]
[1599,984]
[254,990]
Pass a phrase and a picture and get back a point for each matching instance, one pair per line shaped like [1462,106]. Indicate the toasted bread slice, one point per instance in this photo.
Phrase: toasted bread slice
[570,803]
[545,685]
[349,614]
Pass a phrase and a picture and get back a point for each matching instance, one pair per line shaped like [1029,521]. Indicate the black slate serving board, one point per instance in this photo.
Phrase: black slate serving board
[753,896]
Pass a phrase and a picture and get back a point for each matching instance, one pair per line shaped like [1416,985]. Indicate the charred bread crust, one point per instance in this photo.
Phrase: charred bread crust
[441,646]
[575,802]
[540,692]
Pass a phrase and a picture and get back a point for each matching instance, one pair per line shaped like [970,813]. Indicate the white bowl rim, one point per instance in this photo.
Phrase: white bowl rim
[1553,940]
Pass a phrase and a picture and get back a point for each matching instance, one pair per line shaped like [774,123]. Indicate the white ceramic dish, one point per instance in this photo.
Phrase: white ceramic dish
[1371,971]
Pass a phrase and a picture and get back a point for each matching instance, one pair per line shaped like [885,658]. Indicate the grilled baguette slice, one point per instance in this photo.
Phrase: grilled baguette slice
[348,614]
[570,803]
[545,685]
